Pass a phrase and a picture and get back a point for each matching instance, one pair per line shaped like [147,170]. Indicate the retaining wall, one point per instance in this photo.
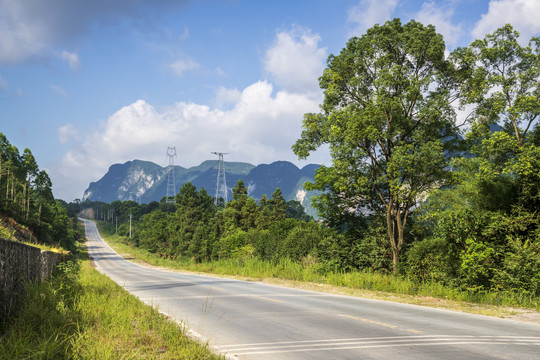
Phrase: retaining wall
[20,263]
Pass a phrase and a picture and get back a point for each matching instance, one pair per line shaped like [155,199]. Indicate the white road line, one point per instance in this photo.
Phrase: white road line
[329,347]
[386,338]
[382,341]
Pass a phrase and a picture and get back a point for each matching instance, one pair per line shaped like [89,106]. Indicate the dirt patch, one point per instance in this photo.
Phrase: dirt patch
[17,231]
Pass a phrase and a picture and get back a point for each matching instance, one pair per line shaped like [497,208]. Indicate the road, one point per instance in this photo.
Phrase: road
[250,320]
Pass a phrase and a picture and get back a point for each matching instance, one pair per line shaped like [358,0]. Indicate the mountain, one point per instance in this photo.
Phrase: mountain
[145,181]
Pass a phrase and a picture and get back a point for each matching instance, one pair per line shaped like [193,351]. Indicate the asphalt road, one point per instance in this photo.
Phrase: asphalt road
[250,320]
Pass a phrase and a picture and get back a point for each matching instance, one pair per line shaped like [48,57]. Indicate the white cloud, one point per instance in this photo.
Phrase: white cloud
[522,14]
[227,96]
[72,59]
[59,90]
[370,12]
[260,128]
[179,67]
[68,133]
[441,18]
[295,61]
[258,125]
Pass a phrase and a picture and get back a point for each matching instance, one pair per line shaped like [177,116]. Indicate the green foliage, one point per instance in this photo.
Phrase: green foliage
[295,210]
[476,265]
[228,245]
[26,196]
[302,240]
[82,314]
[460,214]
[501,78]
[520,270]
[384,117]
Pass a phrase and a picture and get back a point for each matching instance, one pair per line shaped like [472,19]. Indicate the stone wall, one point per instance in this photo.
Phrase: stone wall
[20,263]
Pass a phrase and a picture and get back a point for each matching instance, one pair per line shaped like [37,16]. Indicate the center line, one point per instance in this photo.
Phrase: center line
[369,321]
[265,298]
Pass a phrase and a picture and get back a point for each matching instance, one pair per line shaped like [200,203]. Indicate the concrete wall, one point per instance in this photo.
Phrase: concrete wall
[20,263]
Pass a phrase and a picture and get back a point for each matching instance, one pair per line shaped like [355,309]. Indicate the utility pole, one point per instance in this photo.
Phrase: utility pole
[130,225]
[221,183]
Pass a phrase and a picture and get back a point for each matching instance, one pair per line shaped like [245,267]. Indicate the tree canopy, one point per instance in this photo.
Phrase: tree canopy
[385,112]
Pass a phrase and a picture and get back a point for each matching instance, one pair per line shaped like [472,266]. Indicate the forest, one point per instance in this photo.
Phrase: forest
[26,196]
[434,176]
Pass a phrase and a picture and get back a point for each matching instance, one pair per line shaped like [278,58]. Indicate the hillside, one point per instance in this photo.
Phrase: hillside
[145,181]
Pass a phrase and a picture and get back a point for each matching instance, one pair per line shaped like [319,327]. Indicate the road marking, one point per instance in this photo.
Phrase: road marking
[379,342]
[369,321]
[414,331]
[216,288]
[265,298]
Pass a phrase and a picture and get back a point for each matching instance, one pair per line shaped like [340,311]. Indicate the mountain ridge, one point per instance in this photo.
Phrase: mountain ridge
[144,181]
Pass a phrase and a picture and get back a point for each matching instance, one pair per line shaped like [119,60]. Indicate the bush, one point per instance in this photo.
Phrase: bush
[521,268]
[301,241]
[230,243]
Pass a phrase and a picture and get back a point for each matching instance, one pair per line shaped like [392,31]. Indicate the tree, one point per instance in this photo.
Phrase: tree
[263,213]
[386,110]
[241,212]
[44,194]
[295,210]
[277,206]
[30,168]
[502,78]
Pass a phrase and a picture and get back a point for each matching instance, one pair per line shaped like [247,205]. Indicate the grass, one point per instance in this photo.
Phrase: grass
[82,314]
[359,283]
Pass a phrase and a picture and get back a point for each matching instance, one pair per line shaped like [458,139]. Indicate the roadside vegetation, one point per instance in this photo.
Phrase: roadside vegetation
[412,203]
[308,274]
[81,314]
[77,313]
[28,210]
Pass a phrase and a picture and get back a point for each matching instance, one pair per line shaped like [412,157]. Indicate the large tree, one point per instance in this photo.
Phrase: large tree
[385,113]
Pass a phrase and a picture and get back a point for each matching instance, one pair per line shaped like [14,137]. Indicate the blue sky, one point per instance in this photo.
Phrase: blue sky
[86,84]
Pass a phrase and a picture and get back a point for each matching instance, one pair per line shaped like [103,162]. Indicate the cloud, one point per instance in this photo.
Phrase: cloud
[522,14]
[68,133]
[35,29]
[259,123]
[441,18]
[259,128]
[72,59]
[179,67]
[296,61]
[227,96]
[370,12]
[59,90]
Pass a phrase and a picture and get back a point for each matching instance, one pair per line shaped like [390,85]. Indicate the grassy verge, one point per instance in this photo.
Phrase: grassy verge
[359,283]
[82,314]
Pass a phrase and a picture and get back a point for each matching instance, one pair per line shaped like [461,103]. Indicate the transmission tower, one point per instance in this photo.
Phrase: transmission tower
[221,183]
[171,182]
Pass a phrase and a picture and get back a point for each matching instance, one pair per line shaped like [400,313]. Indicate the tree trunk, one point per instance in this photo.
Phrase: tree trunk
[395,260]
[391,228]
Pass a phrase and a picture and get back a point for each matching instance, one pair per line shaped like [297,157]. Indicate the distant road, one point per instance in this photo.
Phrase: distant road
[251,320]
